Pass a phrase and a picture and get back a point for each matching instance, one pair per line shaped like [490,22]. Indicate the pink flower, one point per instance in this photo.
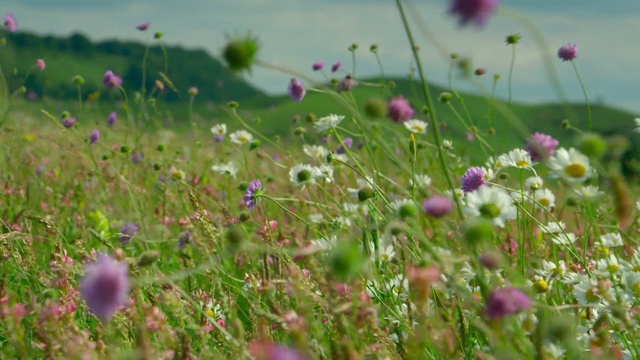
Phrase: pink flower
[318,65]
[399,109]
[143,26]
[10,22]
[568,52]
[40,64]
[475,11]
[105,286]
[335,66]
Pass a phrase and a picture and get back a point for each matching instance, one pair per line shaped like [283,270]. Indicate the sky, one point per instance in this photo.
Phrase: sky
[296,33]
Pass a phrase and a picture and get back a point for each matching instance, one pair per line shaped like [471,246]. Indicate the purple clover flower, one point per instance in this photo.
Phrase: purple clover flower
[69,122]
[472,179]
[39,169]
[437,206]
[94,136]
[136,158]
[346,144]
[112,118]
[336,66]
[506,301]
[11,23]
[271,351]
[541,146]
[318,65]
[143,26]
[399,109]
[252,195]
[347,84]
[127,232]
[473,11]
[568,52]
[218,138]
[296,90]
[111,80]
[105,286]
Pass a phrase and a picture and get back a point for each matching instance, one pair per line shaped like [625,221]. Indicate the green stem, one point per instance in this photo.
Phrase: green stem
[432,109]
[584,91]
[513,62]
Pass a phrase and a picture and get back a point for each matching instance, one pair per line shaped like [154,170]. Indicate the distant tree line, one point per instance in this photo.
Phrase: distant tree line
[184,68]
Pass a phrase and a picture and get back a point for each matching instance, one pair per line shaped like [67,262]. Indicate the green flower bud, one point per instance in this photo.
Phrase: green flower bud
[311,117]
[592,145]
[148,257]
[65,114]
[244,217]
[157,35]
[235,239]
[375,108]
[565,124]
[445,97]
[240,53]
[243,186]
[105,157]
[513,39]
[454,56]
[233,104]
[407,210]
[346,261]
[161,148]
[365,194]
[254,144]
[373,48]
[504,176]
[477,230]
[353,47]
[157,166]
[77,80]
[299,131]
[125,149]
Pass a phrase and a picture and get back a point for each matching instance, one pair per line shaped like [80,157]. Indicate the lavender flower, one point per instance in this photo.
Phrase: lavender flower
[296,90]
[346,144]
[143,26]
[472,179]
[335,66]
[112,118]
[475,11]
[437,206]
[399,109]
[506,301]
[94,136]
[69,122]
[111,80]
[254,192]
[105,286]
[347,84]
[127,232]
[39,169]
[218,138]
[540,146]
[10,22]
[185,238]
[136,158]
[318,65]
[568,52]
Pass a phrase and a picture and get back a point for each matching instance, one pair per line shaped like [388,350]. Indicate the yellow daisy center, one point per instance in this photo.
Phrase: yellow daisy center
[417,128]
[544,202]
[243,139]
[522,163]
[575,170]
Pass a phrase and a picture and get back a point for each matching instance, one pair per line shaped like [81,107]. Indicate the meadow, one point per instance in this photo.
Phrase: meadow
[380,218]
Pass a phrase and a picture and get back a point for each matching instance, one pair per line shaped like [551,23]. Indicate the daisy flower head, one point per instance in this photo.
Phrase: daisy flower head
[219,129]
[565,239]
[570,164]
[325,171]
[637,129]
[241,137]
[226,169]
[421,181]
[518,158]
[387,253]
[553,227]
[303,174]
[492,203]
[416,126]
[545,199]
[533,183]
[589,192]
[316,151]
[326,123]
[610,240]
[403,208]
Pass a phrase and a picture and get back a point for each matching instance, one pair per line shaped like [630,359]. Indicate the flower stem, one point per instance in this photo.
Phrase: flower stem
[584,91]
[513,62]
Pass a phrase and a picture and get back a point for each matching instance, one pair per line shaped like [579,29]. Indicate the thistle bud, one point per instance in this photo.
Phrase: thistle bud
[148,257]
[240,53]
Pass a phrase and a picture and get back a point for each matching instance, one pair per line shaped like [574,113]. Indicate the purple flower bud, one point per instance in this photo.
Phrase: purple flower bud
[10,22]
[111,80]
[39,169]
[296,90]
[127,231]
[143,26]
[541,146]
[472,179]
[568,52]
[399,109]
[506,301]
[475,11]
[105,286]
[437,206]
[69,122]
[336,66]
[347,84]
[346,143]
[111,119]
[94,136]
[318,65]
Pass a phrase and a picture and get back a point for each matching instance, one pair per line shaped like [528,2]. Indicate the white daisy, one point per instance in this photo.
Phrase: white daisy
[328,122]
[421,181]
[323,244]
[303,174]
[533,183]
[610,240]
[491,202]
[637,129]
[325,171]
[226,169]
[241,137]
[316,151]
[177,174]
[586,291]
[589,192]
[545,199]
[570,164]
[608,265]
[396,205]
[362,184]
[565,239]
[457,193]
[416,126]
[219,129]
[518,158]
[553,227]
[631,280]
[447,144]
[316,218]
[552,351]
[387,253]
[496,163]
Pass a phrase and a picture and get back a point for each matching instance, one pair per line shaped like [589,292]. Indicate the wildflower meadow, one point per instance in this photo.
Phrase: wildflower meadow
[390,222]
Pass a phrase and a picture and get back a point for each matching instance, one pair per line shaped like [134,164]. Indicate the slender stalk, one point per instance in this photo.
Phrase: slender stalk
[432,109]
[513,62]
[584,91]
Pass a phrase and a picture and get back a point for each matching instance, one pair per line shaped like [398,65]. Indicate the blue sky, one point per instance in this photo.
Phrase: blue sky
[295,33]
